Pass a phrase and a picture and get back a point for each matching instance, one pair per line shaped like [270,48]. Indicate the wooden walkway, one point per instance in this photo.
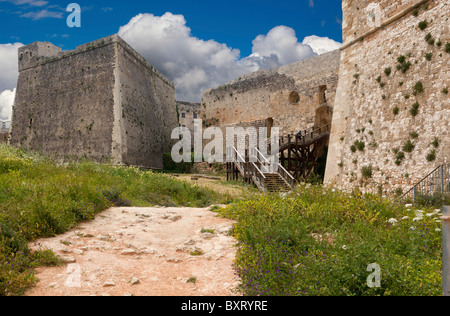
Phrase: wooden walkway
[297,159]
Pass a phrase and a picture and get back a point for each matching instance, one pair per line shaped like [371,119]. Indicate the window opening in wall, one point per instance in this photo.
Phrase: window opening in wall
[322,94]
[294,97]
[183,115]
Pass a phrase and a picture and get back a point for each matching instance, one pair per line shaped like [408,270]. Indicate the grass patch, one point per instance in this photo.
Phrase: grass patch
[318,242]
[39,198]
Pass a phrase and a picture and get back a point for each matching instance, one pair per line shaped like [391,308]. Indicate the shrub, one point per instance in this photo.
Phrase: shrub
[408,146]
[429,39]
[399,157]
[414,135]
[447,47]
[431,156]
[414,109]
[423,25]
[418,88]
[428,56]
[387,71]
[445,91]
[396,110]
[404,66]
[359,145]
[366,171]
[435,142]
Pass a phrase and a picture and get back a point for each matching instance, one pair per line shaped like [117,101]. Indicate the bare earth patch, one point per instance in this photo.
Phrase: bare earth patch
[143,252]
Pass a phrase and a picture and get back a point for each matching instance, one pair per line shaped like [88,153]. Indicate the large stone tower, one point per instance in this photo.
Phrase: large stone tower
[391,118]
[102,101]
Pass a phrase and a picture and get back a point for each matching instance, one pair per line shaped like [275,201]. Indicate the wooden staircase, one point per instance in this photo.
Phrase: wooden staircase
[275,183]
[298,159]
[259,171]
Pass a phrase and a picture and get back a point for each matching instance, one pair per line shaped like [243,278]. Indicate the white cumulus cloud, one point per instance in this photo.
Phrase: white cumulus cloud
[191,63]
[195,65]
[321,45]
[6,103]
[282,42]
[8,65]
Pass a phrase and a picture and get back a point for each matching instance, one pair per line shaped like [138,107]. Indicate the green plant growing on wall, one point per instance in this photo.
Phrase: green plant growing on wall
[403,65]
[409,146]
[396,110]
[366,172]
[387,71]
[414,110]
[431,156]
[429,39]
[418,88]
[445,91]
[414,135]
[435,142]
[423,25]
[447,47]
[415,12]
[360,145]
[428,56]
[400,155]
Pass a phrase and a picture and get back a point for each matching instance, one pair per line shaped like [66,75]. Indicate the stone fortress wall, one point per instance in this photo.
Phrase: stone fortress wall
[292,97]
[101,101]
[187,113]
[391,120]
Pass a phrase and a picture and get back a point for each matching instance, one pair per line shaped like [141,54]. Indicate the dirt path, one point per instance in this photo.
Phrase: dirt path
[143,252]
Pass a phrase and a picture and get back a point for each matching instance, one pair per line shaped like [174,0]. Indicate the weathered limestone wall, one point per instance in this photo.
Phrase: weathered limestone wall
[287,97]
[376,95]
[148,109]
[102,101]
[64,102]
[187,113]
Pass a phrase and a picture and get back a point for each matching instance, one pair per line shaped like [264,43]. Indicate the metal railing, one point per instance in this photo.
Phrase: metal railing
[435,185]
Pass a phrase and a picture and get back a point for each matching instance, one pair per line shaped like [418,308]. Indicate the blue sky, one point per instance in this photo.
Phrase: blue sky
[235,23]
[216,41]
